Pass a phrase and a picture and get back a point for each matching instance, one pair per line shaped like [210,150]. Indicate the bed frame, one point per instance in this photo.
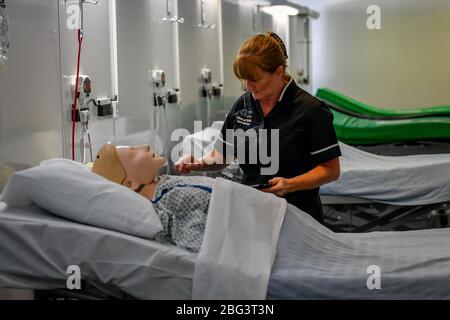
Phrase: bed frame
[348,214]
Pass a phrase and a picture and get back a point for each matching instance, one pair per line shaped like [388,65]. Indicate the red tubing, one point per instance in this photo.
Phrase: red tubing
[74,109]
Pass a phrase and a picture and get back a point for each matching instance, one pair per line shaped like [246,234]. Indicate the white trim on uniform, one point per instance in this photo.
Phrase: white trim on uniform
[230,144]
[324,149]
[284,90]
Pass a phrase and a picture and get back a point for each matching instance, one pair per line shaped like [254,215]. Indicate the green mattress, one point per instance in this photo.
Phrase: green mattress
[359,123]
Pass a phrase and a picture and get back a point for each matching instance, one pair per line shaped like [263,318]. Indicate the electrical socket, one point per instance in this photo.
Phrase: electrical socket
[104,107]
[103,101]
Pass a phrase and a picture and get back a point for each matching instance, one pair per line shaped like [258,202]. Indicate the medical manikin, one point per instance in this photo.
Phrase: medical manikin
[180,202]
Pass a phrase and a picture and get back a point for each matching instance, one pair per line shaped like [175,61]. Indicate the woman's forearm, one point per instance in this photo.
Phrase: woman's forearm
[213,161]
[320,175]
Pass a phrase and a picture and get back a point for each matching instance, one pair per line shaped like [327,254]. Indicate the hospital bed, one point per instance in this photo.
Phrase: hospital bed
[359,123]
[381,193]
[351,214]
[407,148]
[311,262]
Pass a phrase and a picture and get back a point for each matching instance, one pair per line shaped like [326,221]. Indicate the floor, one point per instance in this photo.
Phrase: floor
[15,294]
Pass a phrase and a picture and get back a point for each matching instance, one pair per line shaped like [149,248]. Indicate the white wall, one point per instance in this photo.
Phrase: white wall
[404,65]
[30,112]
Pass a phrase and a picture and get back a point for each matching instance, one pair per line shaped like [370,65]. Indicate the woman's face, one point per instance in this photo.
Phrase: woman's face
[140,163]
[266,84]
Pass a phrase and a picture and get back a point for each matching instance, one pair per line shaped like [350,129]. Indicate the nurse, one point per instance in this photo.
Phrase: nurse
[308,153]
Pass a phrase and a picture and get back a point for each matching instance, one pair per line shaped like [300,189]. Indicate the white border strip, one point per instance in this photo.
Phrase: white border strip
[284,90]
[113,58]
[227,143]
[324,149]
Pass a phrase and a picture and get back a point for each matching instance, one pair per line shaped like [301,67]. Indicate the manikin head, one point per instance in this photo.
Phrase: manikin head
[132,167]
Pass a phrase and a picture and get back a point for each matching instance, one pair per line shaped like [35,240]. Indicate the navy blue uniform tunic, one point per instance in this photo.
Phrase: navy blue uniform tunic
[307,138]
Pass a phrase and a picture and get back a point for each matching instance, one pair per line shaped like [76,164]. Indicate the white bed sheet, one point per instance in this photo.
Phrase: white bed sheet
[403,180]
[36,248]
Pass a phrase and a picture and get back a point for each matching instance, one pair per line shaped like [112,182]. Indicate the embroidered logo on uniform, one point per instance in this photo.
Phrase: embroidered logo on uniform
[243,121]
[244,117]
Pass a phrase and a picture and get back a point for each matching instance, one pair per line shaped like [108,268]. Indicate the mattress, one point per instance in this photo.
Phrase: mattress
[312,262]
[358,123]
[362,108]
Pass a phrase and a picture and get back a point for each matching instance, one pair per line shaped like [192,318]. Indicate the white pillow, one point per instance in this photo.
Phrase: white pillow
[68,189]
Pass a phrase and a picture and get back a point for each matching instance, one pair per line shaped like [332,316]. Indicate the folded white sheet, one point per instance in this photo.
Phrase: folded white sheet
[240,243]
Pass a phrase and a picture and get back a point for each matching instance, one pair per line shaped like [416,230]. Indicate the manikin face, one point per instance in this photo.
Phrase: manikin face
[264,86]
[140,163]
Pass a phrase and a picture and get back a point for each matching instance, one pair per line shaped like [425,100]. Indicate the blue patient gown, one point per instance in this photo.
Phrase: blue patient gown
[182,205]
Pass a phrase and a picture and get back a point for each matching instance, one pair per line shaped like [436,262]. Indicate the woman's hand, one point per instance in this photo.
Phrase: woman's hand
[278,186]
[187,163]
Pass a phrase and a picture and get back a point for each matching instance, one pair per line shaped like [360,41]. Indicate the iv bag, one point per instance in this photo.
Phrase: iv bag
[4,37]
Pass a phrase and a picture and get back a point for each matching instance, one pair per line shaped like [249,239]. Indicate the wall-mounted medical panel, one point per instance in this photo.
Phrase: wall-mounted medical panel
[267,22]
[30,114]
[95,62]
[133,64]
[164,24]
[147,66]
[199,49]
[133,57]
[300,47]
[280,25]
[239,22]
